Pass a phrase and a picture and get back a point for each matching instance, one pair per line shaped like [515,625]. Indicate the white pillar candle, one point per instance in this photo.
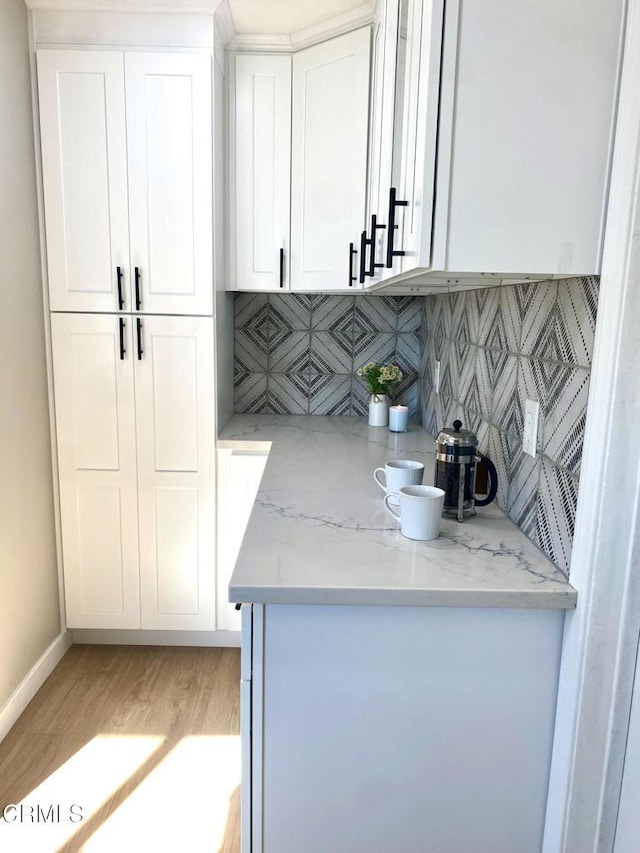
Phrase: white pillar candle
[398,418]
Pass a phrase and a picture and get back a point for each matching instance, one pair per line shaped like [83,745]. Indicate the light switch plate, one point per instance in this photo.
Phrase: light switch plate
[531,417]
[436,377]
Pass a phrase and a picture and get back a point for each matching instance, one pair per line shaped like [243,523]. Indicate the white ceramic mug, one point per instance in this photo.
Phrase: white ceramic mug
[399,473]
[419,510]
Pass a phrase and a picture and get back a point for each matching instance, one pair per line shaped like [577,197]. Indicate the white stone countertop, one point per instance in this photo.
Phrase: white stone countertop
[319,532]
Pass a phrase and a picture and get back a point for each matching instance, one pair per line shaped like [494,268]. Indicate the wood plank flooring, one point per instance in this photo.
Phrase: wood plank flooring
[172,714]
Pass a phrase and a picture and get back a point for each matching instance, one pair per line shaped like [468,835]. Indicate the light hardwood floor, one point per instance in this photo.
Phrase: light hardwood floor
[171,713]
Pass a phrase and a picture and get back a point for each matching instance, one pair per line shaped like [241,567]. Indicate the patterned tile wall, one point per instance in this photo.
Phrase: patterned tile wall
[297,353]
[498,347]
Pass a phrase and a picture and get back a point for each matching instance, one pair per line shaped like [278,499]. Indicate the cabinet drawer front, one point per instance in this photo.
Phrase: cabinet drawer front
[82,120]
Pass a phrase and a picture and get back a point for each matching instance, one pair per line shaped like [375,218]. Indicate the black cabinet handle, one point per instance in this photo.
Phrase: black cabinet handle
[137,281]
[393,203]
[281,267]
[139,335]
[120,294]
[364,242]
[375,226]
[122,349]
[352,251]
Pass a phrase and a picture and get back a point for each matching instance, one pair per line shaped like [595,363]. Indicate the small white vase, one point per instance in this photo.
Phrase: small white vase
[378,410]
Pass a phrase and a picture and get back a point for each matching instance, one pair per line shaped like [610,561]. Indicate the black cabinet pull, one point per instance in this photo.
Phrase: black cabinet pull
[281,267]
[364,242]
[393,203]
[139,335]
[352,251]
[122,349]
[120,294]
[137,281]
[375,226]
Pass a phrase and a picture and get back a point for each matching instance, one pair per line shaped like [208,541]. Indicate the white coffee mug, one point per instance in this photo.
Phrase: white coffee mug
[399,473]
[419,511]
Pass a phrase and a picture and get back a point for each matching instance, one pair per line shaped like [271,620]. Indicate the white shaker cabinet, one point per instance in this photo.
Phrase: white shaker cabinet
[502,130]
[170,191]
[262,172]
[174,383]
[388,66]
[329,158]
[298,146]
[95,428]
[134,402]
[416,141]
[127,162]
[524,183]
[84,170]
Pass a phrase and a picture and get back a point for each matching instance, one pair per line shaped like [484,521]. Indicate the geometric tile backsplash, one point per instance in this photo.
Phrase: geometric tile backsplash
[497,347]
[297,353]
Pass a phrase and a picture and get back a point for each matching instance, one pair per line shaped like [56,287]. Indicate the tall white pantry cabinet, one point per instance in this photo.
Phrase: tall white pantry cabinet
[126,146]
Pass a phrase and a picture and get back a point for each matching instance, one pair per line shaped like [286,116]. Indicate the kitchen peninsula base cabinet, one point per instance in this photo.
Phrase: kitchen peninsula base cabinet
[369,729]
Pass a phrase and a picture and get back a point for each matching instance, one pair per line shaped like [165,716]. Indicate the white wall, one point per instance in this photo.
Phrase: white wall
[29,609]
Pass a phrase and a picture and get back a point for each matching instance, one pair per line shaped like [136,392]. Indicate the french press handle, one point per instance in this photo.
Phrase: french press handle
[493,481]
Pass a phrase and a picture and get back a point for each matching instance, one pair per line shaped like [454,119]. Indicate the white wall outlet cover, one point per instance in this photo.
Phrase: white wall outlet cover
[436,377]
[531,417]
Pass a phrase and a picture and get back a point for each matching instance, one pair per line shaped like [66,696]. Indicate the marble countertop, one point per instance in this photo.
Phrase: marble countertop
[319,532]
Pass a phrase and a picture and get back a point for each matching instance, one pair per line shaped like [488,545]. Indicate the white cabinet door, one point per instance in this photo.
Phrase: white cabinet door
[511,142]
[94,403]
[174,379]
[170,175]
[419,132]
[262,172]
[84,166]
[388,54]
[329,164]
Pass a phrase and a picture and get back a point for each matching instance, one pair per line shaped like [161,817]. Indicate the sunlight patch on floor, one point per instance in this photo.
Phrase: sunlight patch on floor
[86,780]
[182,805]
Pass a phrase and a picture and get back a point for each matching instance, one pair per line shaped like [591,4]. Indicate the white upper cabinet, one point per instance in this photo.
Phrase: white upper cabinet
[261,172]
[127,163]
[531,90]
[329,164]
[502,128]
[84,161]
[298,145]
[170,166]
[416,142]
[387,57]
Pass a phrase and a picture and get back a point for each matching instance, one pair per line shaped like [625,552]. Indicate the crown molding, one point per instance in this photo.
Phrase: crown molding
[361,16]
[255,42]
[175,7]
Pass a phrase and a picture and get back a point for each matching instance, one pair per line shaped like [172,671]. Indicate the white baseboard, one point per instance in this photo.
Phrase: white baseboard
[135,637]
[32,682]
